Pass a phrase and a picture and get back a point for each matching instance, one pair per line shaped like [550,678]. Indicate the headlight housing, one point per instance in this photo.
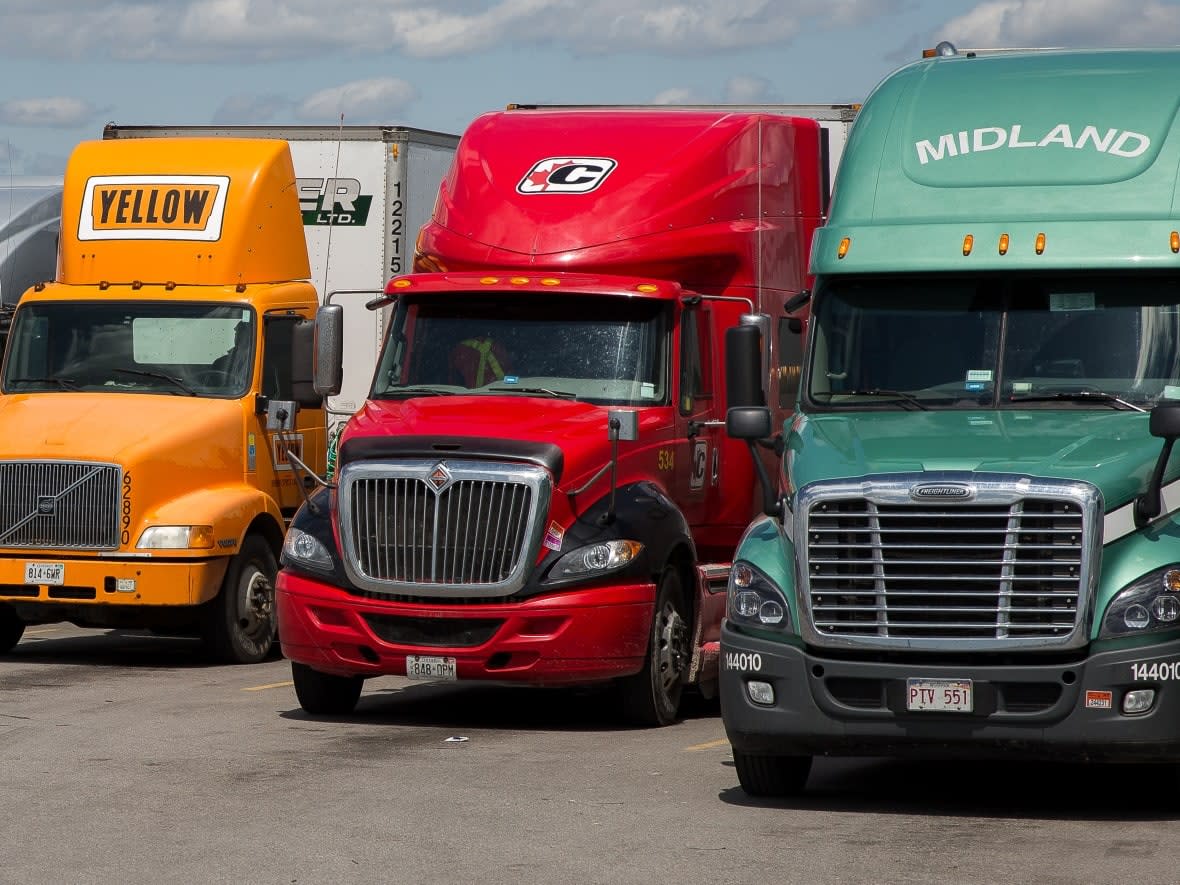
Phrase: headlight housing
[1150,604]
[595,559]
[753,600]
[176,537]
[306,550]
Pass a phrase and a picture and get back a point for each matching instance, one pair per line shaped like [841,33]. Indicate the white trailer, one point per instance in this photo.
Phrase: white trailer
[365,191]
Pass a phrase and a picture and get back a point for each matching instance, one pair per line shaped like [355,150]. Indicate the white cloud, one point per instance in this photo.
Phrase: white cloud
[1039,23]
[251,109]
[735,90]
[55,112]
[750,90]
[362,101]
[252,30]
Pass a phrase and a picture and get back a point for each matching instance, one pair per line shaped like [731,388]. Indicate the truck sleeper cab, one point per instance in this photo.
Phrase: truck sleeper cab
[976,551]
[538,490]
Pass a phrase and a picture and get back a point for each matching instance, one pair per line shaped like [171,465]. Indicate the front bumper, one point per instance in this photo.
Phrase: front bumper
[835,707]
[576,636]
[120,582]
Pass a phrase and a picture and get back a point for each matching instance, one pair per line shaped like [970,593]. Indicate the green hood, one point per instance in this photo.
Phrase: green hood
[1112,450]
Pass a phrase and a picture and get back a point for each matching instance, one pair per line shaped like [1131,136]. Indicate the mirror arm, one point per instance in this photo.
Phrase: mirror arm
[1149,505]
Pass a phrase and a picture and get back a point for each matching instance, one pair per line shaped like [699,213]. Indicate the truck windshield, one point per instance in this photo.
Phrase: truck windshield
[599,350]
[995,341]
[189,349]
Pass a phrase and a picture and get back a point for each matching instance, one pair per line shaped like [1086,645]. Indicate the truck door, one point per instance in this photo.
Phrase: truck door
[698,461]
[307,440]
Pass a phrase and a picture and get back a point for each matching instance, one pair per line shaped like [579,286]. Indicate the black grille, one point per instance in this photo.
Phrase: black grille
[59,504]
[436,632]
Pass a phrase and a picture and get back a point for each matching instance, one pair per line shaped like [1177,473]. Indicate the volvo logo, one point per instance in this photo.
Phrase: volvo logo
[46,505]
[439,477]
[942,492]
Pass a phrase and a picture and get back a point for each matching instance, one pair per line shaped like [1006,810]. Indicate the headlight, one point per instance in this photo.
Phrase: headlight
[595,559]
[176,537]
[306,550]
[754,600]
[1150,604]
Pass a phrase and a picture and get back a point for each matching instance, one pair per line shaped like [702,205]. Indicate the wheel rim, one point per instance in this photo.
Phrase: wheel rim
[672,652]
[256,606]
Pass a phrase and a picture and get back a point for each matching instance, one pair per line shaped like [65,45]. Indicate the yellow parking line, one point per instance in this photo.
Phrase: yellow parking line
[711,745]
[265,687]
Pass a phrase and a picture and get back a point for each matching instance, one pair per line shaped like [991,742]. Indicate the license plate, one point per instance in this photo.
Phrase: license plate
[426,667]
[939,695]
[45,572]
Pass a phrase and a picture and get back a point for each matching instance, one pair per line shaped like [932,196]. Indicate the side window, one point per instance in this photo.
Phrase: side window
[277,368]
[696,369]
[790,360]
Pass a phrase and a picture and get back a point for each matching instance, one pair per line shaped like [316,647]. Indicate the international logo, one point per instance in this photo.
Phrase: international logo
[439,477]
[153,207]
[566,175]
[942,492]
[334,201]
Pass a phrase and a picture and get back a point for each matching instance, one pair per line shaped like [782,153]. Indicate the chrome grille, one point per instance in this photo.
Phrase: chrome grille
[476,530]
[913,574]
[59,504]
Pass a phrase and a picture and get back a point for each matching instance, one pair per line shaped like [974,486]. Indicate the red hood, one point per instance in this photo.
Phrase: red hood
[579,429]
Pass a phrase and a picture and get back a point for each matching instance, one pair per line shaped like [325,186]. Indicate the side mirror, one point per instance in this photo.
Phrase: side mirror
[747,416]
[328,350]
[1165,420]
[1165,424]
[302,363]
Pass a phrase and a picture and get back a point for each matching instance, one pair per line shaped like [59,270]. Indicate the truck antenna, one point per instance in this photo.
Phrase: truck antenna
[332,209]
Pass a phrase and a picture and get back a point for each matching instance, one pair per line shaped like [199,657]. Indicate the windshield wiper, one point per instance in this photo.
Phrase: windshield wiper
[544,391]
[62,381]
[161,375]
[415,391]
[877,391]
[1077,396]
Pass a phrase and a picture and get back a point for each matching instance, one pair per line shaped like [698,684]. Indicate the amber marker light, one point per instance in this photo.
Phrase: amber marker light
[401,284]
[1040,244]
[968,243]
[518,281]
[550,281]
[842,249]
[1175,240]
[1003,244]
[647,288]
[489,281]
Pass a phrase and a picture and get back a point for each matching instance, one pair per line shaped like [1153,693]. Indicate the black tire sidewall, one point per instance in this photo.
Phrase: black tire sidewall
[226,637]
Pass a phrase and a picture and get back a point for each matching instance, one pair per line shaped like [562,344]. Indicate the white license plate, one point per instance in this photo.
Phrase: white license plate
[45,572]
[426,667]
[939,695]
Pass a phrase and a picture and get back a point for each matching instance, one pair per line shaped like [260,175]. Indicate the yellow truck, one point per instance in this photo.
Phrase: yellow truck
[152,397]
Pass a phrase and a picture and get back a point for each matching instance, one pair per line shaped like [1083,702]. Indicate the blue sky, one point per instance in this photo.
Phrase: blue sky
[70,66]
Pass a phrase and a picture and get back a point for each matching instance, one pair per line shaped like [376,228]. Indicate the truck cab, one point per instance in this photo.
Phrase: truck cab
[976,549]
[538,489]
[149,418]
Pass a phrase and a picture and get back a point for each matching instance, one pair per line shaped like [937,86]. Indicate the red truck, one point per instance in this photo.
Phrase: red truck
[539,488]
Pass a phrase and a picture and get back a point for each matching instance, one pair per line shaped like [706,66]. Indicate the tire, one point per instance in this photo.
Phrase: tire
[11,629]
[323,694]
[651,697]
[772,775]
[238,626]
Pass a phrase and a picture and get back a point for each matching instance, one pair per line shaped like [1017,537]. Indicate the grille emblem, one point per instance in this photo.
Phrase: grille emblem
[46,505]
[942,492]
[439,477]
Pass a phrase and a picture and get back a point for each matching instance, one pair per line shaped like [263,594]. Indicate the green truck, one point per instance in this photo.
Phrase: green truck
[972,547]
